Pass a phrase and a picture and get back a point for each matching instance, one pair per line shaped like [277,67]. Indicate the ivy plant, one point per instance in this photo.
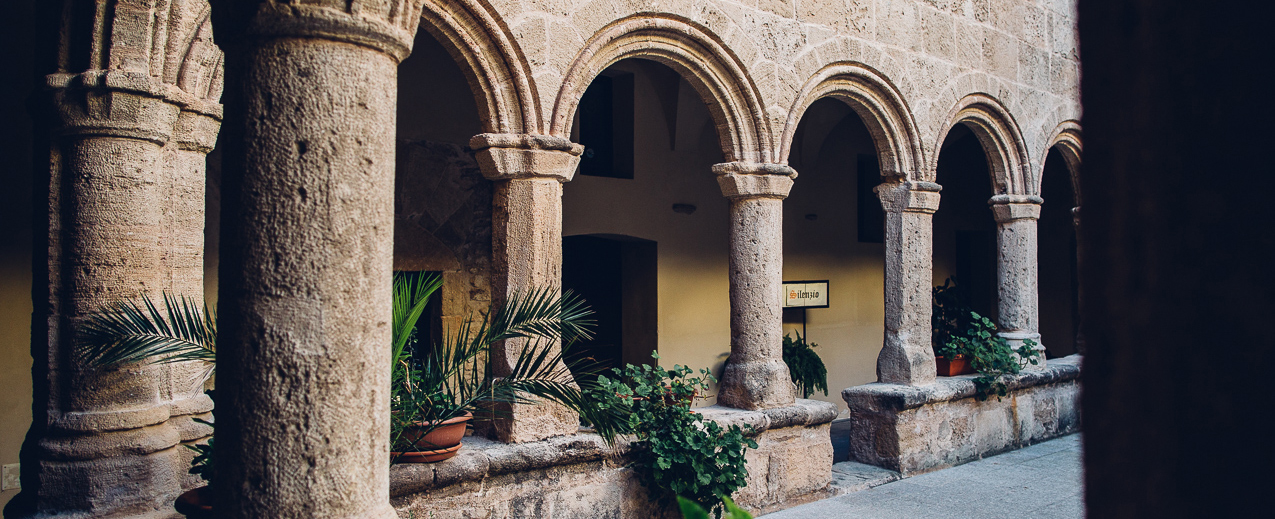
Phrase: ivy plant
[679,453]
[805,366]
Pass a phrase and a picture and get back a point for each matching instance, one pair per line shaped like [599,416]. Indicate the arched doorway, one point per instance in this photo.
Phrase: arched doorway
[964,229]
[1059,301]
[645,190]
[834,229]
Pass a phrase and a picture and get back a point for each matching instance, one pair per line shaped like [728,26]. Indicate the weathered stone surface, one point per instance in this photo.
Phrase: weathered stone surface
[907,357]
[303,375]
[913,429]
[528,171]
[579,476]
[756,376]
[1017,267]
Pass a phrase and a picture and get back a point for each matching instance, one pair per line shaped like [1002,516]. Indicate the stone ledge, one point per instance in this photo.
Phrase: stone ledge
[894,397]
[801,413]
[482,458]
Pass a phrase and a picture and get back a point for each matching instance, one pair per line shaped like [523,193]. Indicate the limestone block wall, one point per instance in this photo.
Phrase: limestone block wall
[579,476]
[916,429]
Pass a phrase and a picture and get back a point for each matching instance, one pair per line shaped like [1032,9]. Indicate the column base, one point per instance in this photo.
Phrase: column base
[1016,339]
[758,384]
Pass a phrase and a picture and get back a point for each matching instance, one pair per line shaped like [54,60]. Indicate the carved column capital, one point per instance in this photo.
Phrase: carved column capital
[388,27]
[1007,208]
[116,104]
[909,197]
[508,156]
[754,179]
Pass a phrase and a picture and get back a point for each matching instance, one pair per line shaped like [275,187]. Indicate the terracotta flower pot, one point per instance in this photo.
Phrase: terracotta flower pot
[437,445]
[195,503]
[959,365]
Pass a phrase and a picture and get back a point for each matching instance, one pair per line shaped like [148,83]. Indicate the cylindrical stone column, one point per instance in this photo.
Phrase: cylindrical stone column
[307,249]
[756,376]
[906,355]
[185,161]
[103,445]
[528,172]
[1016,267]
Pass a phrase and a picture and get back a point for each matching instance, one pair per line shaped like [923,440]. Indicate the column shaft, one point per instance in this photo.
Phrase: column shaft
[906,355]
[528,171]
[1016,266]
[307,234]
[103,444]
[756,376]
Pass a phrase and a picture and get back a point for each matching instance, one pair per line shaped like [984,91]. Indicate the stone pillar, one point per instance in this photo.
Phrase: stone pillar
[756,376]
[528,172]
[307,242]
[1016,266]
[907,356]
[103,444]
[183,262]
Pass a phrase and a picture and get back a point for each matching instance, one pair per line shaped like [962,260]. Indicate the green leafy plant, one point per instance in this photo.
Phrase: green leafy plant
[805,366]
[692,510]
[453,377]
[679,453]
[958,330]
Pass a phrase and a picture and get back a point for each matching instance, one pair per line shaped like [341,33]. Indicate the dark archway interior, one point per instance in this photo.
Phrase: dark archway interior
[964,230]
[617,276]
[1059,304]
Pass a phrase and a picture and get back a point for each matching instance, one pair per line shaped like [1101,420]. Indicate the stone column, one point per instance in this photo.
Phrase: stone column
[756,376]
[307,241]
[183,262]
[1016,266]
[528,172]
[906,356]
[102,445]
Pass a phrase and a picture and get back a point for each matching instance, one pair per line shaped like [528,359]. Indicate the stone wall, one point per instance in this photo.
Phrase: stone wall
[920,428]
[442,223]
[579,476]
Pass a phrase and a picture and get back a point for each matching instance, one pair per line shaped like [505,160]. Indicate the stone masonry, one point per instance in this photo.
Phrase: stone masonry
[309,224]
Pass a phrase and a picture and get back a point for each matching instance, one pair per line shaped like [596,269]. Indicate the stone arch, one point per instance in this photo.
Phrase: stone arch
[494,65]
[877,102]
[1066,137]
[1002,141]
[698,55]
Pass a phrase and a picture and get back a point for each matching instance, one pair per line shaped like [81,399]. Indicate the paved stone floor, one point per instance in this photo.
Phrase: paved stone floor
[1041,481]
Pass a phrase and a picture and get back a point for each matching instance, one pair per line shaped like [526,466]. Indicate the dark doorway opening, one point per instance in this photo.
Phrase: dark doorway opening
[1059,301]
[964,230]
[616,275]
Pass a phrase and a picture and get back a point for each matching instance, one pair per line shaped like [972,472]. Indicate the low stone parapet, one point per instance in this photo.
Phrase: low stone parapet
[580,476]
[914,429]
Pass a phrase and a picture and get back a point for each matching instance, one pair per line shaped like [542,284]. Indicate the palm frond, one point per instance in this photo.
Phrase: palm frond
[124,332]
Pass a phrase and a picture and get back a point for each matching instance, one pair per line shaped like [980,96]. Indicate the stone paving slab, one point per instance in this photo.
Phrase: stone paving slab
[1040,481]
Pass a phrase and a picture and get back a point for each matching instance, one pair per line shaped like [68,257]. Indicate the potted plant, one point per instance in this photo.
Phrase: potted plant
[805,366]
[966,342]
[949,320]
[438,390]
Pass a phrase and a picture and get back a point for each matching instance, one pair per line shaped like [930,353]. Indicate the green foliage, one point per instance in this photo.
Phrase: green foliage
[679,452]
[805,366]
[454,376]
[692,510]
[961,331]
[124,332]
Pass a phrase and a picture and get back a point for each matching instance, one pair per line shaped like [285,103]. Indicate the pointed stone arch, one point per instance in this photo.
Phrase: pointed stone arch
[1066,137]
[877,102]
[489,57]
[1002,141]
[696,54]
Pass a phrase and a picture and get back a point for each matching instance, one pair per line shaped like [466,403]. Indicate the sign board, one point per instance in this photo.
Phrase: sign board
[806,294]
